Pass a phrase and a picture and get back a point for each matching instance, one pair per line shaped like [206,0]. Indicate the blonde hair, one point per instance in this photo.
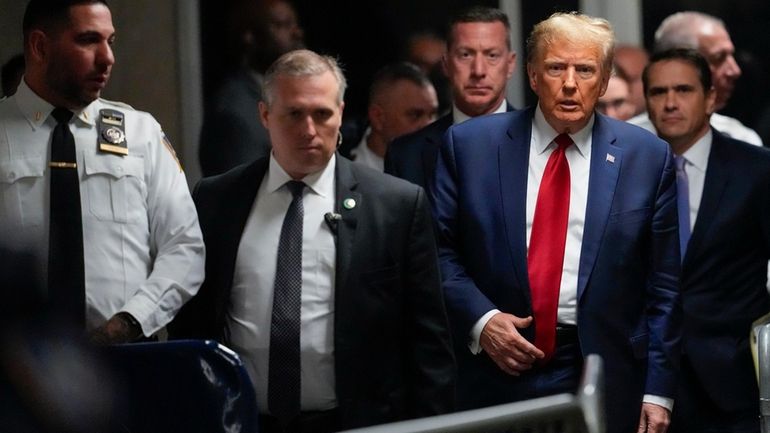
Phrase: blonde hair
[303,63]
[576,27]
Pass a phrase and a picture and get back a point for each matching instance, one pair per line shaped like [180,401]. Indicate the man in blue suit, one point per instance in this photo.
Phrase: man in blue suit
[479,61]
[558,238]
[724,191]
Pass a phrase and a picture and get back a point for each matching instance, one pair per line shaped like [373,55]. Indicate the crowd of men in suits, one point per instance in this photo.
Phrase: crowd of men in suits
[501,248]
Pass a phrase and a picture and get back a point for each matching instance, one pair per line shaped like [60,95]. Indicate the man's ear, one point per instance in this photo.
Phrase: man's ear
[376,117]
[711,101]
[532,76]
[511,64]
[264,114]
[37,45]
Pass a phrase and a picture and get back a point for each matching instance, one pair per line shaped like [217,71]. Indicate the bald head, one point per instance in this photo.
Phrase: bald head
[630,61]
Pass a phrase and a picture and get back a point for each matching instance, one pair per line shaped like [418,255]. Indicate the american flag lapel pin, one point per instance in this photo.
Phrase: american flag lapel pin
[610,158]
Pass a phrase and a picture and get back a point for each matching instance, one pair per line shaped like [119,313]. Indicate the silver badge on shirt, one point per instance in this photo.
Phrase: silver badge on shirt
[112,132]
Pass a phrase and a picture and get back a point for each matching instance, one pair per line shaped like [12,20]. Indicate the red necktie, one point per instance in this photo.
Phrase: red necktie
[546,246]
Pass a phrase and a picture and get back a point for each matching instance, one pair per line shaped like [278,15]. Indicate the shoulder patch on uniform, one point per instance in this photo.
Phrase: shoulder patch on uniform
[170,148]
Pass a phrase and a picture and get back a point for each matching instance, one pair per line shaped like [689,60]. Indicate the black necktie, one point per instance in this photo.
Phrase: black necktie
[284,370]
[66,274]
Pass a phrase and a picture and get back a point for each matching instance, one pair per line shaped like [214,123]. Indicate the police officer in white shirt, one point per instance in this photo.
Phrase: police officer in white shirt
[142,248]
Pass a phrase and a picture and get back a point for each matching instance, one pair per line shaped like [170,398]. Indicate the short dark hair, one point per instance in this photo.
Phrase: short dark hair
[389,74]
[48,14]
[479,14]
[687,55]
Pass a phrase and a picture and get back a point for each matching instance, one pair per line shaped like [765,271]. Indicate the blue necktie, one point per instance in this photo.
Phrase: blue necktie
[682,204]
[283,394]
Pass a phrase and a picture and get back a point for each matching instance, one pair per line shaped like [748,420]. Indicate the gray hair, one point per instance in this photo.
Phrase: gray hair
[302,63]
[680,30]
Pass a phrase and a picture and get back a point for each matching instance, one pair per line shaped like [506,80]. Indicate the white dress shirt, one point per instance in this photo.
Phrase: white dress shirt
[460,117]
[363,155]
[143,248]
[696,162]
[729,126]
[251,303]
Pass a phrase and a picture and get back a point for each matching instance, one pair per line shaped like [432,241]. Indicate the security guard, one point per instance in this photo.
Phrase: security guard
[142,253]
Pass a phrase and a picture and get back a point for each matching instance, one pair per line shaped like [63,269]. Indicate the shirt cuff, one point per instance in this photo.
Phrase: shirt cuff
[475,335]
[667,403]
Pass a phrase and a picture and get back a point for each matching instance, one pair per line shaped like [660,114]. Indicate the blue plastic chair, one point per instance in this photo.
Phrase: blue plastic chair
[184,386]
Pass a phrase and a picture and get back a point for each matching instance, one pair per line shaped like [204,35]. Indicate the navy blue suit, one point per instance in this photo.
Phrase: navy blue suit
[413,156]
[628,306]
[723,284]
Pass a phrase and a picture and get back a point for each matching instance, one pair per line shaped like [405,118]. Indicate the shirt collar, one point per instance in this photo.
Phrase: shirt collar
[459,117]
[362,147]
[37,110]
[698,154]
[321,182]
[543,134]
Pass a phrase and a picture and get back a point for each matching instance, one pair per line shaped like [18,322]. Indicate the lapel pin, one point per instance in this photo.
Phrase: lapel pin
[349,203]
[38,116]
[610,158]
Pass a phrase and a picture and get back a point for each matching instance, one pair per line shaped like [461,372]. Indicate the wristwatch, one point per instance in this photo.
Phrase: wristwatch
[132,323]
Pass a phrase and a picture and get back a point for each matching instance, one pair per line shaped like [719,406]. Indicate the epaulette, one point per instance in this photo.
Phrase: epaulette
[116,103]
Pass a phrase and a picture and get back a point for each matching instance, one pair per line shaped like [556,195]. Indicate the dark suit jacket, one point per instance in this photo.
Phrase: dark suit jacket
[413,156]
[724,272]
[628,307]
[392,346]
[232,132]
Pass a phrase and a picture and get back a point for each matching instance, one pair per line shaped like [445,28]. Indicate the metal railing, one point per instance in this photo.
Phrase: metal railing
[763,356]
[562,413]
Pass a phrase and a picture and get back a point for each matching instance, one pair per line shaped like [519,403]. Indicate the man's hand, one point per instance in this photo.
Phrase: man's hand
[121,328]
[502,342]
[654,419]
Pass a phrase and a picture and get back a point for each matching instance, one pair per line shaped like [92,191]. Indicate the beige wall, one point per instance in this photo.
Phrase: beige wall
[147,63]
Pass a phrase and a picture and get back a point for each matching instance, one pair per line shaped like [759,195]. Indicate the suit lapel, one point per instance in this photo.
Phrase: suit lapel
[513,162]
[430,150]
[606,160]
[717,178]
[347,203]
[237,206]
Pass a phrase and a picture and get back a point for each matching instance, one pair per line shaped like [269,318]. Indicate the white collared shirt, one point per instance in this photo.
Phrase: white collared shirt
[363,155]
[460,117]
[579,158]
[696,163]
[251,302]
[143,248]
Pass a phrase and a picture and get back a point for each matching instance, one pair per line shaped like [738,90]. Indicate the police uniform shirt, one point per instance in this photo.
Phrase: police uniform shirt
[143,246]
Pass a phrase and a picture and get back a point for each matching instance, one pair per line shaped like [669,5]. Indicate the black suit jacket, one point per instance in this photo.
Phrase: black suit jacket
[393,355]
[724,271]
[232,132]
[413,156]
